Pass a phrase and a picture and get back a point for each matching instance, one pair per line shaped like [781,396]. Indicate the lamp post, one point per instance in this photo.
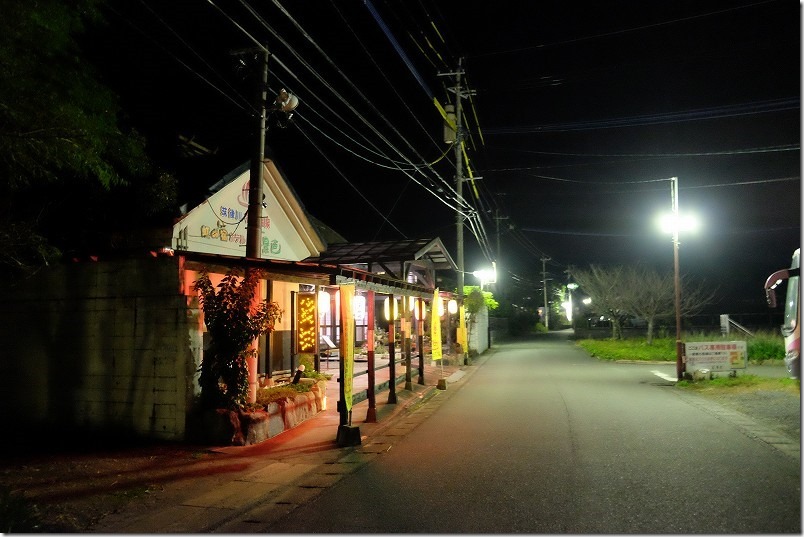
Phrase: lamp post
[571,310]
[677,279]
[673,223]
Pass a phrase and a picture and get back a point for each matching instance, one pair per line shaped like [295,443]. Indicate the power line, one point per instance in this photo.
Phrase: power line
[621,31]
[718,112]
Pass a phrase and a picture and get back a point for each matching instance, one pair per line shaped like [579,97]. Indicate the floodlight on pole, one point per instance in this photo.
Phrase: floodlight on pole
[674,223]
[570,287]
[486,275]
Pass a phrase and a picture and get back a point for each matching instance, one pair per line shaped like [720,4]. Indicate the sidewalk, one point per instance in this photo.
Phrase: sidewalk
[275,476]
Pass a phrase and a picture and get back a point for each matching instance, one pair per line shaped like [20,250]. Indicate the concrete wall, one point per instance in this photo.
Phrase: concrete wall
[479,331]
[100,345]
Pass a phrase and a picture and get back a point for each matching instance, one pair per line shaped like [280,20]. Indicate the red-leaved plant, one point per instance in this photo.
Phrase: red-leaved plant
[233,323]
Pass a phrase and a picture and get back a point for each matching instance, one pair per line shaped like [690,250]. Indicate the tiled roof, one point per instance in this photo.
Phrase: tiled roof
[432,250]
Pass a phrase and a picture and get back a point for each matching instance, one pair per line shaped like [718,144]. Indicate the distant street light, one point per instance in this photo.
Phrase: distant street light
[571,287]
[674,223]
[486,275]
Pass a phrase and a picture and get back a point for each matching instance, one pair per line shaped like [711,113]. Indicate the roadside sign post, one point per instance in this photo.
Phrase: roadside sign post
[716,356]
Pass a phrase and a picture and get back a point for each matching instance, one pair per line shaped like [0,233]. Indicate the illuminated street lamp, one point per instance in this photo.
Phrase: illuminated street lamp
[486,275]
[673,223]
[570,287]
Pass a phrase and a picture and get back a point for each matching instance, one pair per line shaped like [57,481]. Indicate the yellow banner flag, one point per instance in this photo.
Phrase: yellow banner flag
[347,346]
[462,335]
[435,328]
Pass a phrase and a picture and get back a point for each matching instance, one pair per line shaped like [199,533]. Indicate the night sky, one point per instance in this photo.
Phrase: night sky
[580,113]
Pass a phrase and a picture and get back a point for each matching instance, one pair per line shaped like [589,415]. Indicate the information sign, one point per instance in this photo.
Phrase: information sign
[716,355]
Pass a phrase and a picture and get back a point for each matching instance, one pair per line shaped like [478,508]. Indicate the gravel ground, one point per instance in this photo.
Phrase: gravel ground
[780,410]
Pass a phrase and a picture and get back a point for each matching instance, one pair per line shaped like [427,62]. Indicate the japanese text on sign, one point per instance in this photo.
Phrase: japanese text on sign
[716,355]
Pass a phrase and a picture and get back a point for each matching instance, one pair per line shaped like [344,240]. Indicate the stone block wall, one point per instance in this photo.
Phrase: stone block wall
[99,345]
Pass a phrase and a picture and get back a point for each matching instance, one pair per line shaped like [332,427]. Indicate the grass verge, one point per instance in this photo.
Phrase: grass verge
[742,383]
[762,348]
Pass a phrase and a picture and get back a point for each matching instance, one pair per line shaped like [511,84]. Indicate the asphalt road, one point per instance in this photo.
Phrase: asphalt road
[544,439]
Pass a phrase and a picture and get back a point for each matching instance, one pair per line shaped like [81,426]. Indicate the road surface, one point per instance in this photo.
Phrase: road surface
[544,439]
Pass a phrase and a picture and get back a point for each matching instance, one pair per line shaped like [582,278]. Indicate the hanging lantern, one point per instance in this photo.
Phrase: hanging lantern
[387,309]
[323,301]
[416,310]
[359,307]
[453,306]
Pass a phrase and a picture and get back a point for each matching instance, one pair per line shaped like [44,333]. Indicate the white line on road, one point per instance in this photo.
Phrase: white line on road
[668,378]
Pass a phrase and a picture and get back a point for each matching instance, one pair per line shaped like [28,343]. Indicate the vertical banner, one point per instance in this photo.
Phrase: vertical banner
[435,329]
[462,335]
[347,347]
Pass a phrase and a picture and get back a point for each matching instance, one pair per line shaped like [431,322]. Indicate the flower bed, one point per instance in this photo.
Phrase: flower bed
[242,428]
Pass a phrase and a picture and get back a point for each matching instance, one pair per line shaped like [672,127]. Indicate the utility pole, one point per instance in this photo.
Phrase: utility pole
[459,173]
[498,286]
[544,287]
[460,93]
[254,222]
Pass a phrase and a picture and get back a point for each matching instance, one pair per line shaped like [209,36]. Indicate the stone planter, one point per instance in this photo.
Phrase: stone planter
[237,428]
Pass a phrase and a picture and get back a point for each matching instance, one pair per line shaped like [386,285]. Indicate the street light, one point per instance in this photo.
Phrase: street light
[486,275]
[570,287]
[674,223]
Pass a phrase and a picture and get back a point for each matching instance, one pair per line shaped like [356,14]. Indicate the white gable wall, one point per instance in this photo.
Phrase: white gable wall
[219,224]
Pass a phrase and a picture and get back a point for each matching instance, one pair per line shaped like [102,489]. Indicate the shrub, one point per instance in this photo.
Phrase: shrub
[233,323]
[266,396]
[766,347]
[310,374]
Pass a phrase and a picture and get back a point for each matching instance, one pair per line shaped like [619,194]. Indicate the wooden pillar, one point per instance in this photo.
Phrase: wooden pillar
[420,337]
[371,413]
[406,327]
[343,418]
[391,353]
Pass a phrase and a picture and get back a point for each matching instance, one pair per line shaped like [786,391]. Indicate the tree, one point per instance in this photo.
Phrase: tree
[608,290]
[652,295]
[640,291]
[233,323]
[68,166]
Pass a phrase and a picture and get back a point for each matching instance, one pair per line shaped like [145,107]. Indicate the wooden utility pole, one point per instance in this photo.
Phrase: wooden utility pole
[254,222]
[544,287]
[460,93]
[459,174]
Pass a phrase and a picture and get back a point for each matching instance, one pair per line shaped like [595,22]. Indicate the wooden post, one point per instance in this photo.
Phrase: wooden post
[420,338]
[391,353]
[371,413]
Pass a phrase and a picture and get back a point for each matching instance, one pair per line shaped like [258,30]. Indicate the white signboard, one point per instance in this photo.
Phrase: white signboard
[218,225]
[716,355]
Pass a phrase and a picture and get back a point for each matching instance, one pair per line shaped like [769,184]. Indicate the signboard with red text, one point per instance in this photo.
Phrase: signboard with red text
[716,355]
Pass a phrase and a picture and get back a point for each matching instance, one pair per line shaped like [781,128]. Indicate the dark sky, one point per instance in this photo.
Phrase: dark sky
[580,113]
